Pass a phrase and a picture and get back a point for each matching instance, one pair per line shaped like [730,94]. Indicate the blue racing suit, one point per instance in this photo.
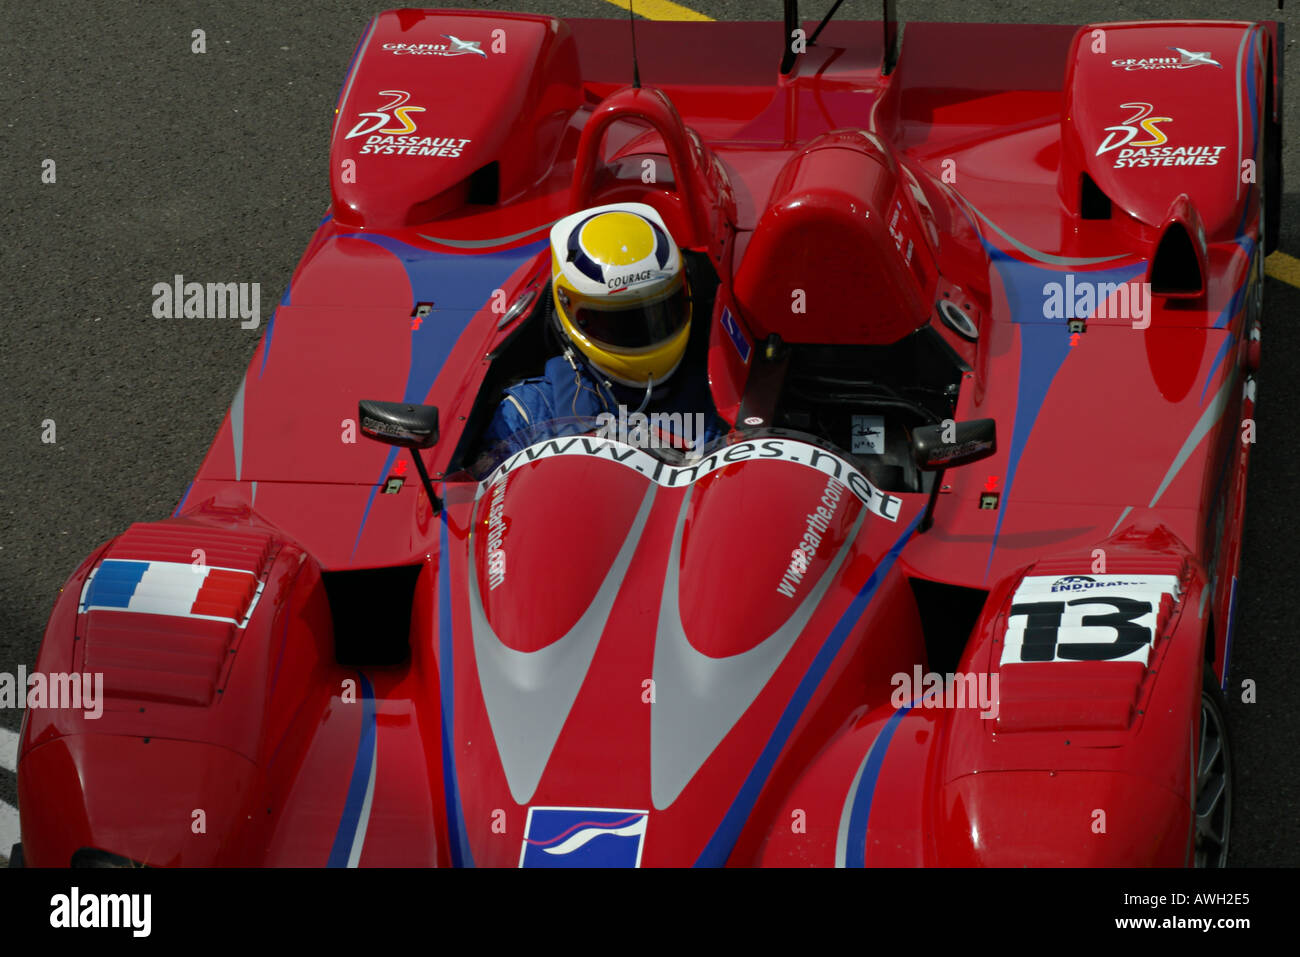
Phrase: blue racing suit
[570,390]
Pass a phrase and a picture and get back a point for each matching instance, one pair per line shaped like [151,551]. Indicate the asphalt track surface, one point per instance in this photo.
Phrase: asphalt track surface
[214,166]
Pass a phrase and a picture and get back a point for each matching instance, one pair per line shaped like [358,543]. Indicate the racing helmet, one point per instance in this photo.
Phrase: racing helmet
[621,296]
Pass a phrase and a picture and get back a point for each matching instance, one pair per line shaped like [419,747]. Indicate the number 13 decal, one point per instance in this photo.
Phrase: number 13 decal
[1043,623]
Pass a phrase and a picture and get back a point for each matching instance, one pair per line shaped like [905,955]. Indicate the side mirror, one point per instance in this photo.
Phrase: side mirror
[969,442]
[407,426]
[399,423]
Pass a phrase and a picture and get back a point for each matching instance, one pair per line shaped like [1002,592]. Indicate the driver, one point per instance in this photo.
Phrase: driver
[622,308]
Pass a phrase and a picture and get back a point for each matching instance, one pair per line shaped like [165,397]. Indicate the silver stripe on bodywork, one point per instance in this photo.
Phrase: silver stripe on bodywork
[1202,428]
[486,243]
[528,694]
[1241,50]
[1122,515]
[1042,257]
[699,699]
[363,823]
[237,427]
[842,835]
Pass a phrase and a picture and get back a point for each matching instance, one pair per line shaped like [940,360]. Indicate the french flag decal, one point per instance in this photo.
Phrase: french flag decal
[172,588]
[583,837]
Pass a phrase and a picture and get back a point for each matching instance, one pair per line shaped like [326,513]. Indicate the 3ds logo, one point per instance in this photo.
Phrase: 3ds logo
[378,121]
[583,837]
[1141,120]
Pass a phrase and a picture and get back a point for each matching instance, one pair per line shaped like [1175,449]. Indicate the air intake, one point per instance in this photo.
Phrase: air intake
[1179,262]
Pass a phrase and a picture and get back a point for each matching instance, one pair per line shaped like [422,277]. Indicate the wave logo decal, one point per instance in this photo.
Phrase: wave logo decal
[583,837]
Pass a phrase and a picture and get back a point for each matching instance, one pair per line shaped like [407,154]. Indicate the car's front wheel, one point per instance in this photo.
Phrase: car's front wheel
[1213,781]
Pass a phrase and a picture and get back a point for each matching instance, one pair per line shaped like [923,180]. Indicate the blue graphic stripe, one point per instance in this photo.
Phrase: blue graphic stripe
[856,842]
[458,839]
[1044,347]
[270,331]
[1239,294]
[1223,352]
[463,284]
[114,583]
[719,848]
[1252,103]
[1229,312]
[1227,640]
[356,799]
[370,499]
[181,504]
[1248,244]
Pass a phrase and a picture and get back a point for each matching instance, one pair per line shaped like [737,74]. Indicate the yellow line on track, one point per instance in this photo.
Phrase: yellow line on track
[1279,265]
[659,10]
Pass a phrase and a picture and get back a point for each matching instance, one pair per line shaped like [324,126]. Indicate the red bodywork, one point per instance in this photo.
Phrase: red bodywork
[638,654]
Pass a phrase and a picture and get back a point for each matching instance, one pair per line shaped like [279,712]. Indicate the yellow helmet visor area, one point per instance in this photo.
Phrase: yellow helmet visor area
[629,342]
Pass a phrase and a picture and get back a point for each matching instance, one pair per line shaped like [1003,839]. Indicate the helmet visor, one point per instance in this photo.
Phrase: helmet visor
[638,326]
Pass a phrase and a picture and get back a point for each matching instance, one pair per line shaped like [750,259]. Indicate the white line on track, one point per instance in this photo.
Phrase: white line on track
[9,833]
[8,750]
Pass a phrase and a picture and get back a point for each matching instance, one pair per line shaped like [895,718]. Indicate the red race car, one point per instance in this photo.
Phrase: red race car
[693,564]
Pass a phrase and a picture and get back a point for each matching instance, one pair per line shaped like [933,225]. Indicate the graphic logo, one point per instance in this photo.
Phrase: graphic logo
[1185,60]
[583,837]
[1190,59]
[1124,134]
[386,131]
[458,47]
[393,111]
[1151,149]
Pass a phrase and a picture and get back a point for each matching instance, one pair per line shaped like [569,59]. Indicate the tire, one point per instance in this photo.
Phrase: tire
[1212,810]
